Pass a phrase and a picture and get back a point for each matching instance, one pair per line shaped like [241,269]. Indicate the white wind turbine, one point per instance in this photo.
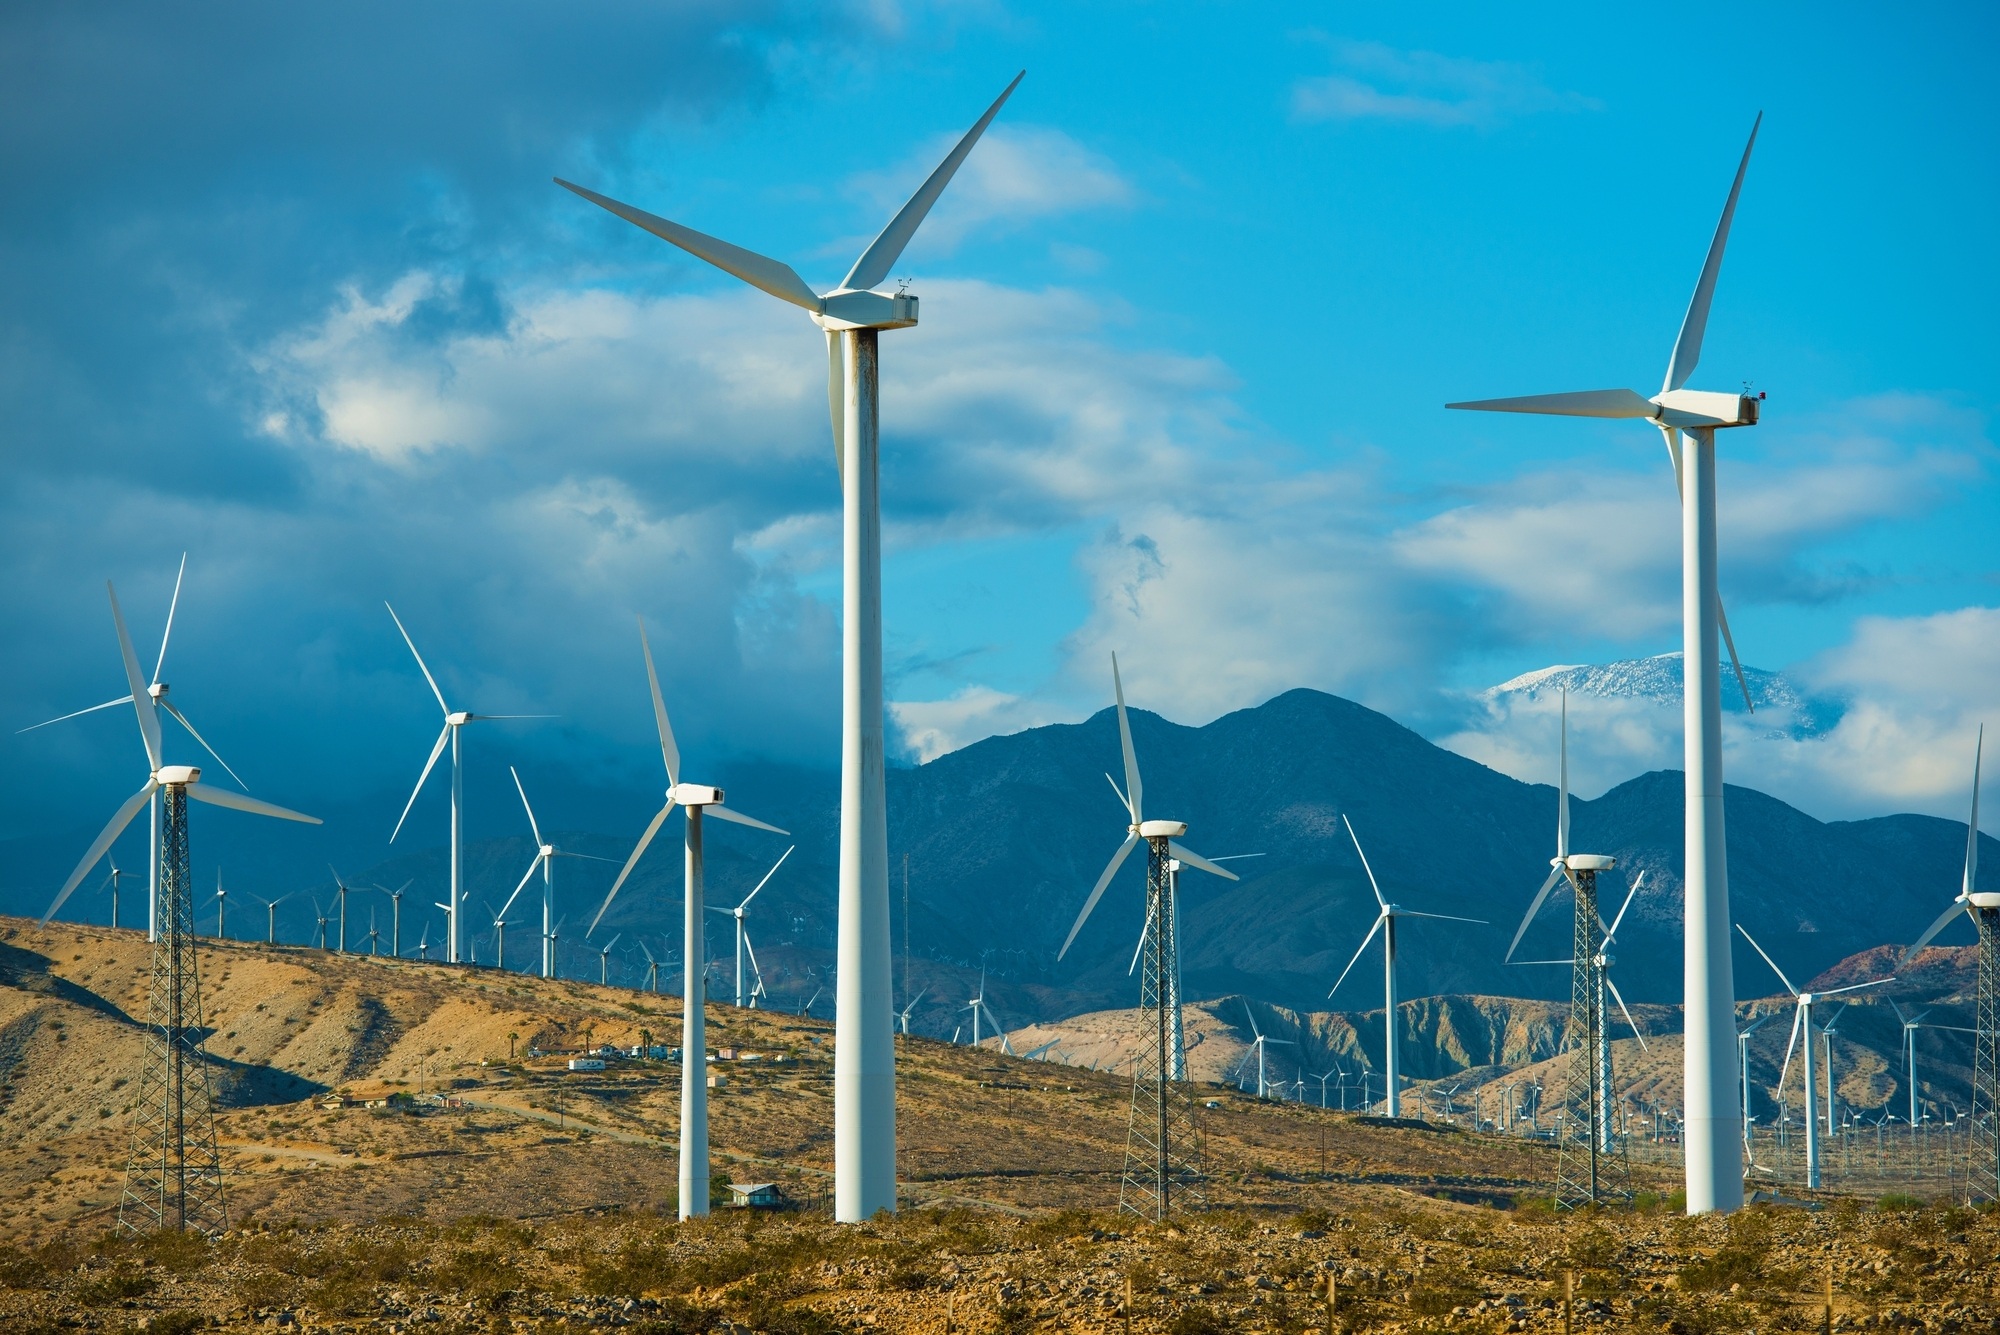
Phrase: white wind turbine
[978,1007]
[454,719]
[852,315]
[340,897]
[696,800]
[320,918]
[1802,1021]
[1910,1023]
[271,916]
[158,690]
[545,855]
[1385,923]
[159,774]
[1262,1040]
[111,879]
[395,915]
[604,961]
[221,902]
[903,1016]
[742,939]
[423,946]
[1713,1149]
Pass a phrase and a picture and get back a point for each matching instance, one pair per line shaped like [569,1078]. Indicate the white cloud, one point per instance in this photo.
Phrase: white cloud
[1377,82]
[931,728]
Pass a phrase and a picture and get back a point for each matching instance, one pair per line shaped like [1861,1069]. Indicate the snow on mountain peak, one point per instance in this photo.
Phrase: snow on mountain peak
[1659,679]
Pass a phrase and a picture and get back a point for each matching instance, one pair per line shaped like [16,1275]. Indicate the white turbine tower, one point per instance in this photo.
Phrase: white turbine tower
[545,855]
[852,316]
[1911,1023]
[695,800]
[395,915]
[454,719]
[742,939]
[1714,1159]
[158,690]
[1385,923]
[159,773]
[320,918]
[1802,1021]
[271,916]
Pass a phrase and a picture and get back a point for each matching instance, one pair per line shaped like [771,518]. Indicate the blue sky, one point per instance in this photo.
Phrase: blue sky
[292,292]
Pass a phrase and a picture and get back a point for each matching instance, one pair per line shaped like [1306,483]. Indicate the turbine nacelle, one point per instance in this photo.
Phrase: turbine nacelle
[1985,899]
[458,718]
[1688,408]
[695,795]
[167,775]
[849,308]
[1159,829]
[1588,862]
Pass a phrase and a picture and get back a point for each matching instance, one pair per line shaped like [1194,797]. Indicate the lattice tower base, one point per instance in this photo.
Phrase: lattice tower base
[1162,1139]
[1983,1179]
[1591,1166]
[173,1176]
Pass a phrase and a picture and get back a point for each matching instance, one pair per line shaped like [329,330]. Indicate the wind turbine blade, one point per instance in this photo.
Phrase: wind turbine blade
[181,718]
[1562,796]
[1541,895]
[737,817]
[1579,403]
[421,665]
[1139,948]
[222,797]
[1134,791]
[533,867]
[648,953]
[670,752]
[173,606]
[1798,1014]
[1612,932]
[879,258]
[767,876]
[534,828]
[836,401]
[108,704]
[1851,987]
[1364,863]
[1687,348]
[436,751]
[1097,892]
[1194,859]
[1121,797]
[760,271]
[1729,641]
[1626,1011]
[587,857]
[142,699]
[105,838]
[631,862]
[1768,960]
[756,974]
[1255,1032]
[1942,920]
[1379,918]
[1972,822]
[1441,917]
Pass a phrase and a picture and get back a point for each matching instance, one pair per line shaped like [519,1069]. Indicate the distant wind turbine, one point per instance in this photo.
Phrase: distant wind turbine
[903,1016]
[736,914]
[544,861]
[454,719]
[1262,1041]
[271,916]
[1385,923]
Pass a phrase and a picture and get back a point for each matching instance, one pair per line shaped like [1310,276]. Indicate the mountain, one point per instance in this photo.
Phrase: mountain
[1005,837]
[1658,680]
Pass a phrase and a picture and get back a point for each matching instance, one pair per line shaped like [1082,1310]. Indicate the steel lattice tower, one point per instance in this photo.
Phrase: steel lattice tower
[1983,1177]
[173,1177]
[1590,1162]
[1162,1149]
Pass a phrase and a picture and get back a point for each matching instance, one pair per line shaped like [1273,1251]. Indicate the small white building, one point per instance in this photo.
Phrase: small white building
[586,1063]
[755,1196]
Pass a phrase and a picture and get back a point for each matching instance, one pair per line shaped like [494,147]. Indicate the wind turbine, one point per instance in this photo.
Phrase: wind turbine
[454,719]
[221,902]
[652,983]
[395,915]
[1714,1173]
[737,914]
[159,775]
[423,946]
[374,933]
[1385,923]
[159,692]
[271,916]
[321,918]
[852,316]
[340,897]
[604,963]
[695,800]
[545,855]
[500,934]
[1910,1023]
[1802,1021]
[111,879]
[1260,1044]
[979,1007]
[1743,1062]
[903,1016]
